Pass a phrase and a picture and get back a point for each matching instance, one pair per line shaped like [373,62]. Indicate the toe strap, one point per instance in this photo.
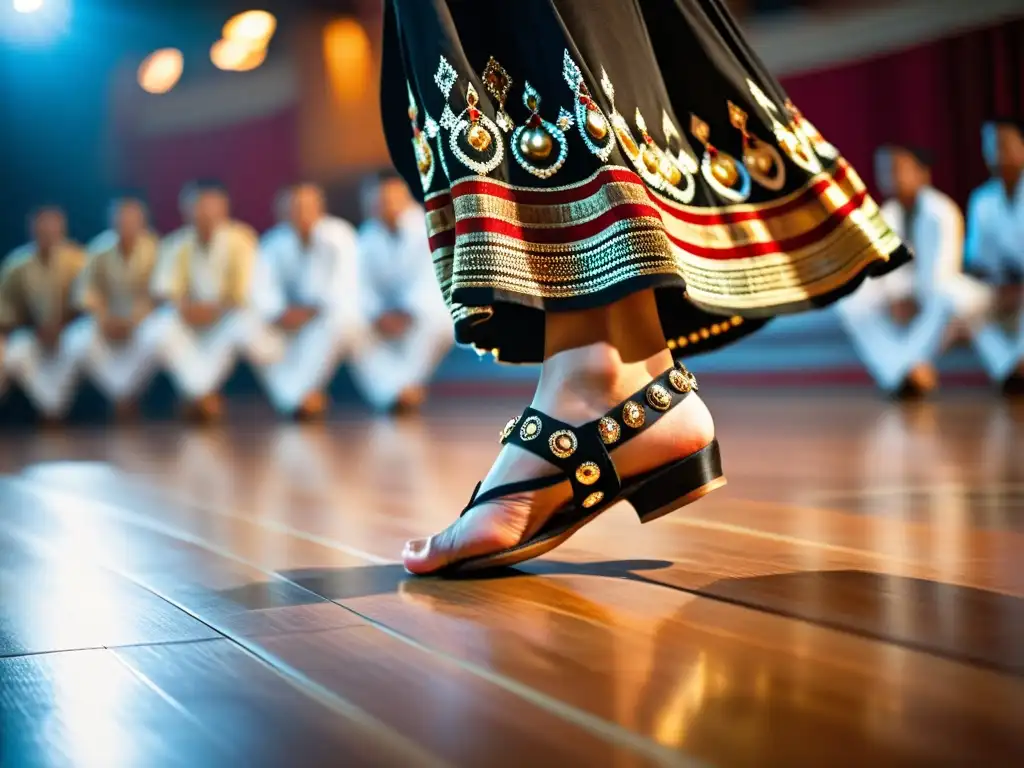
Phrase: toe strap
[578,452]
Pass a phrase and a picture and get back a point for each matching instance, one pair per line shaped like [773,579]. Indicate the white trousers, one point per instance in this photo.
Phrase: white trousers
[293,366]
[48,379]
[1000,352]
[891,352]
[120,371]
[199,361]
[384,368]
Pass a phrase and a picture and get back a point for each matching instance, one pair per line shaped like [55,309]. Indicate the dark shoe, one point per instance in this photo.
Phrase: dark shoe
[583,456]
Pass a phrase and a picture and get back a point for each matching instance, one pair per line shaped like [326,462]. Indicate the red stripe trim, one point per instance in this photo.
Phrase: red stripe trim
[487,187]
[814,192]
[780,246]
[558,235]
[546,196]
[438,202]
[443,239]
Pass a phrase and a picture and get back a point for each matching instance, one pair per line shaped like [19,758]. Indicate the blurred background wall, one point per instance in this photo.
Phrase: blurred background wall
[77,126]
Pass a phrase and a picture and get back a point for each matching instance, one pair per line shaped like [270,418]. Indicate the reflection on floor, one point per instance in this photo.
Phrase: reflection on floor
[232,597]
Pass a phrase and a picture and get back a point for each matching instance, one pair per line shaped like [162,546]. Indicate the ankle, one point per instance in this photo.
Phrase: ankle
[593,378]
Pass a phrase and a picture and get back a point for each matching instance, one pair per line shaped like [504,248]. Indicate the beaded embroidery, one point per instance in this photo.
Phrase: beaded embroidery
[796,147]
[592,122]
[471,130]
[763,161]
[420,145]
[721,171]
[534,143]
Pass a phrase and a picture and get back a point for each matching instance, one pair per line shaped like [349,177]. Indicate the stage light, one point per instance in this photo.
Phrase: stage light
[161,70]
[254,28]
[28,6]
[236,55]
[348,56]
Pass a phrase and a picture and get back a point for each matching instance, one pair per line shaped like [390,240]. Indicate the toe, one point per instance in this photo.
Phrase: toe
[423,556]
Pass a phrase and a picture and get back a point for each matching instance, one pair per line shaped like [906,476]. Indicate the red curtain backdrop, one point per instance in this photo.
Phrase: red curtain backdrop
[253,160]
[935,95]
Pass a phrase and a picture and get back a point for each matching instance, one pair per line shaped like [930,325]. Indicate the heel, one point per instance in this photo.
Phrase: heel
[678,484]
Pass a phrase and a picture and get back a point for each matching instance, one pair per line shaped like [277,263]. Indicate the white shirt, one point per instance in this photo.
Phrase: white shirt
[995,230]
[936,233]
[397,272]
[323,273]
[217,270]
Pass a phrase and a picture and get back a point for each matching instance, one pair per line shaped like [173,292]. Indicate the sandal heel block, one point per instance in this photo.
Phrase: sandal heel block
[681,483]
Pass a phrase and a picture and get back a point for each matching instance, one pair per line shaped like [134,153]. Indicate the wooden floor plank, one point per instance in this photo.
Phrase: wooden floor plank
[611,641]
[54,603]
[87,708]
[256,716]
[841,587]
[230,595]
[853,597]
[322,656]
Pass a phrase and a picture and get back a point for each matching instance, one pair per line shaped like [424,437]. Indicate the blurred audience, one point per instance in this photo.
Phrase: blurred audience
[203,282]
[410,327]
[113,293]
[313,293]
[36,308]
[306,290]
[995,246]
[900,323]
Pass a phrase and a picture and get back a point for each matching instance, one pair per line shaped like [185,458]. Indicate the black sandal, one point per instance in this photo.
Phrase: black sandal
[582,455]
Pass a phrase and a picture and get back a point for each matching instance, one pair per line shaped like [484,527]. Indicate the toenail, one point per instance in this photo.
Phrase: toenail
[416,546]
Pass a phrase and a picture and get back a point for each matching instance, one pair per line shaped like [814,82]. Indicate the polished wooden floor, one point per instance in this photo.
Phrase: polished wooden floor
[231,597]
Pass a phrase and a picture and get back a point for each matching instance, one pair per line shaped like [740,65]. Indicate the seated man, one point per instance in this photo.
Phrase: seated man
[995,249]
[114,291]
[35,308]
[203,280]
[898,323]
[306,288]
[411,330]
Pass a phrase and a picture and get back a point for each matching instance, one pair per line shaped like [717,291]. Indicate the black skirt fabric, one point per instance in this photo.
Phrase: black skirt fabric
[571,152]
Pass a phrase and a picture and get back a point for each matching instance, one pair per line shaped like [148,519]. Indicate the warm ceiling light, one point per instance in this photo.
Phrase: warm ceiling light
[252,27]
[348,56]
[161,70]
[236,55]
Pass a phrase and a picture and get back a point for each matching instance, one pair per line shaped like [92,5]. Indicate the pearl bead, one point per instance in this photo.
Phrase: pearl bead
[536,143]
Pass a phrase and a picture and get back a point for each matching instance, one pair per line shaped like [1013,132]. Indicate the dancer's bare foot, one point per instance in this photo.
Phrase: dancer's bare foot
[576,386]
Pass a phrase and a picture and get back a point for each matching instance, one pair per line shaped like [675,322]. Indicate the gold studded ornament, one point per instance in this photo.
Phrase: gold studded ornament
[510,425]
[562,443]
[588,473]
[593,500]
[659,398]
[530,429]
[633,415]
[609,430]
[679,381]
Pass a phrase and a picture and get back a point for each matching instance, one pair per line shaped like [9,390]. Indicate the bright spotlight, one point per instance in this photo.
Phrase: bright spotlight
[254,28]
[161,70]
[237,55]
[27,6]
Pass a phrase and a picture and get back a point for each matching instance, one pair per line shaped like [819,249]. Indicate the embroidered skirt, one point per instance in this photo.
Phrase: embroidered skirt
[571,152]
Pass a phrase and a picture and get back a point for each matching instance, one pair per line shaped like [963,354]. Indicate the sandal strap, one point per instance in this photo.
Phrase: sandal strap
[583,453]
[640,412]
[577,451]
